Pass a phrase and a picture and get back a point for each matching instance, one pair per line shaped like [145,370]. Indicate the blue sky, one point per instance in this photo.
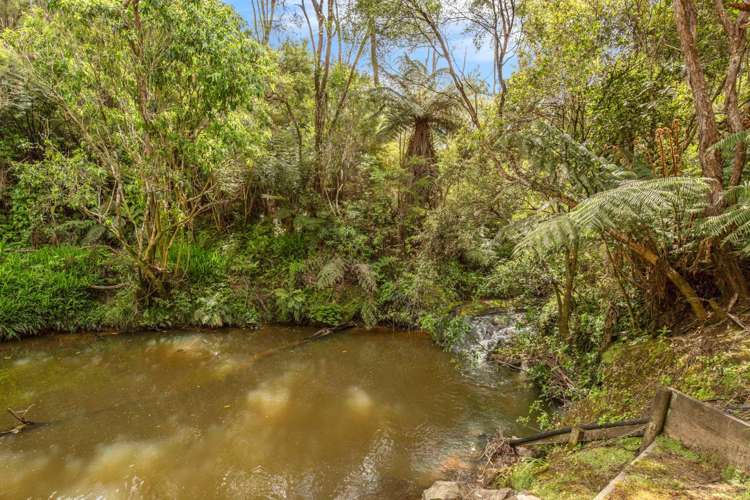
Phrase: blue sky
[465,53]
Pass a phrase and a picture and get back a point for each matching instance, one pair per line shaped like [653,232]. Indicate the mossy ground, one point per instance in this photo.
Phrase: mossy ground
[710,364]
[571,474]
[669,471]
[673,471]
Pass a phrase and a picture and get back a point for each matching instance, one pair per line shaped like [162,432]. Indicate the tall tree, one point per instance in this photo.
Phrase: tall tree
[731,278]
[417,105]
[323,29]
[265,18]
[494,20]
[160,94]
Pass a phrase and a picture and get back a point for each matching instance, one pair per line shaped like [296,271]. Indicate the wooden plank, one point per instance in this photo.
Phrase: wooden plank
[619,478]
[565,431]
[635,430]
[706,428]
[575,437]
[659,410]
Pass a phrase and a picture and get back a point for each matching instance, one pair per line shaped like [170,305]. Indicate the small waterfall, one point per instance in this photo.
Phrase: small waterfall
[487,331]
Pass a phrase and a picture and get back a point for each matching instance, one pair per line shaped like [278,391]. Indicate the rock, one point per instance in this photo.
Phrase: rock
[482,494]
[524,496]
[524,452]
[443,490]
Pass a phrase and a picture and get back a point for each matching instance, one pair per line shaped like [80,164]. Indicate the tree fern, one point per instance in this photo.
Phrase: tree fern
[548,234]
[733,225]
[631,203]
[641,201]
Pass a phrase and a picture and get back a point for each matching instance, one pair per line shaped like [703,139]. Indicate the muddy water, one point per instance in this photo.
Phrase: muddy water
[362,414]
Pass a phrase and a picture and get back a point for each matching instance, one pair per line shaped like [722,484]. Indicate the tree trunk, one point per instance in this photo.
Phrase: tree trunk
[686,21]
[566,297]
[374,56]
[728,275]
[682,285]
[420,159]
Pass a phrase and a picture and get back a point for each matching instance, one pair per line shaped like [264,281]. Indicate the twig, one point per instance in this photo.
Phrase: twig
[22,416]
[23,422]
[737,321]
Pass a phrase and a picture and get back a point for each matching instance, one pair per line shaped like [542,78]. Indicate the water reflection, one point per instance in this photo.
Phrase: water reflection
[364,414]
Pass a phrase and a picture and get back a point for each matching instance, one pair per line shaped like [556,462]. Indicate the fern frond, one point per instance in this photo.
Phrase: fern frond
[549,234]
[733,225]
[369,313]
[365,278]
[631,203]
[332,273]
[729,143]
[639,201]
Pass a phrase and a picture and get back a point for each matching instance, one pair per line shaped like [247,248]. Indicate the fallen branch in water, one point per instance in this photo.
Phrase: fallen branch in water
[320,334]
[23,422]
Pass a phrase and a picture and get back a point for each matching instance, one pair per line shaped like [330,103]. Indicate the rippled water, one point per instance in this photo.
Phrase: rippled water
[361,414]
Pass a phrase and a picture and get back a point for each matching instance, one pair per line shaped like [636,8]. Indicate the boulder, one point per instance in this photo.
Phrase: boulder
[482,494]
[443,490]
[524,496]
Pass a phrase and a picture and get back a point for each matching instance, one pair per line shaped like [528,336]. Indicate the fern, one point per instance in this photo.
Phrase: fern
[369,312]
[730,142]
[630,204]
[638,201]
[552,233]
[366,278]
[332,273]
[733,225]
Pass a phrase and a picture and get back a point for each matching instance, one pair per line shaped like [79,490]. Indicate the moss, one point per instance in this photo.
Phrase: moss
[708,365]
[672,470]
[571,474]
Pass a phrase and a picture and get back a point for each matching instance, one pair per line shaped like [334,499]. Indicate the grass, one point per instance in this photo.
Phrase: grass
[47,289]
[673,471]
[570,474]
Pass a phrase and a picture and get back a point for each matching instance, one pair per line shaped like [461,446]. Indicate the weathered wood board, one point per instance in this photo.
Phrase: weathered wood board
[703,427]
[588,435]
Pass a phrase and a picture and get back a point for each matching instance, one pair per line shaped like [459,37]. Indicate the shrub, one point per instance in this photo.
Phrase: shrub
[47,289]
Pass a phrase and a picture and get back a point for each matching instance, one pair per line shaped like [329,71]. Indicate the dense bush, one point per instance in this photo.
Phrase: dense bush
[47,289]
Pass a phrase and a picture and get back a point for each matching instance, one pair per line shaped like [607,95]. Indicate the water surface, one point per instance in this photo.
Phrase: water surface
[361,414]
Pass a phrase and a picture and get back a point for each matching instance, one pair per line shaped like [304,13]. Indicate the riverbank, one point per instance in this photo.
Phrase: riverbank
[710,363]
[668,470]
[241,280]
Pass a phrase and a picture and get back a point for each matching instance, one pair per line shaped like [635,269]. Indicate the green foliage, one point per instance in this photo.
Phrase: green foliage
[733,226]
[630,204]
[291,304]
[47,289]
[166,125]
[327,314]
[201,262]
[525,473]
[445,330]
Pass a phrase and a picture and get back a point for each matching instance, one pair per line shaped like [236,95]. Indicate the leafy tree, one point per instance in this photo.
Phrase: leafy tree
[165,99]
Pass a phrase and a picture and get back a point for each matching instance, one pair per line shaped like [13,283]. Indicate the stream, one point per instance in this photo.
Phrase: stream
[191,414]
